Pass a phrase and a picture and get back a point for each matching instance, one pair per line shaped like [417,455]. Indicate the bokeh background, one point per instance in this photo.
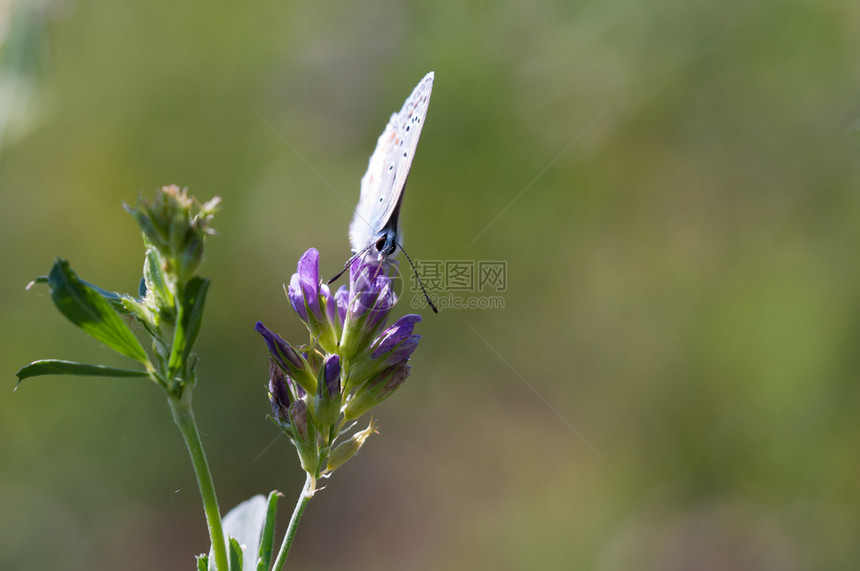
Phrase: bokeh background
[673,381]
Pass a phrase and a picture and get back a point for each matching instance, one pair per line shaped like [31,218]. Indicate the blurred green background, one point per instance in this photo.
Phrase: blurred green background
[671,384]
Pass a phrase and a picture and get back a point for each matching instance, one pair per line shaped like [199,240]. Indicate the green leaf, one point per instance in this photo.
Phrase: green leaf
[193,301]
[89,310]
[116,299]
[235,555]
[267,538]
[58,367]
[190,317]
[202,562]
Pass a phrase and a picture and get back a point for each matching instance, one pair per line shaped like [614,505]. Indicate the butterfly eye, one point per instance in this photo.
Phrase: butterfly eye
[380,244]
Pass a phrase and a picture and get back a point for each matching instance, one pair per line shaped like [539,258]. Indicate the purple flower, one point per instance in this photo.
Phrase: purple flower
[279,394]
[353,363]
[403,351]
[362,294]
[400,331]
[384,302]
[299,419]
[330,304]
[341,297]
[369,290]
[284,355]
[297,300]
[377,389]
[331,376]
[304,290]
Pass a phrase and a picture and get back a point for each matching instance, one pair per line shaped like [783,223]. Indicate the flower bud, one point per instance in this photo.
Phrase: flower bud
[376,390]
[349,448]
[304,436]
[175,225]
[394,346]
[287,358]
[403,351]
[328,399]
[299,419]
[305,286]
[395,335]
[331,377]
[279,394]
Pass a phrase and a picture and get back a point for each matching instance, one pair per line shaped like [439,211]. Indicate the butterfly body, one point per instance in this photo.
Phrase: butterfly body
[375,228]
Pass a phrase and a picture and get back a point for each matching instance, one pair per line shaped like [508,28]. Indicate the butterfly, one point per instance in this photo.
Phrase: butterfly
[375,228]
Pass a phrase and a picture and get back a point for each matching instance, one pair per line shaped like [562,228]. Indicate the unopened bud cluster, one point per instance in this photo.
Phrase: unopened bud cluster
[175,226]
[316,392]
[171,298]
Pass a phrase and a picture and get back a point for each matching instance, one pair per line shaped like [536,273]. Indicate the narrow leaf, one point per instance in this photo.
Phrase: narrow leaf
[267,538]
[194,299]
[235,555]
[202,562]
[58,367]
[190,317]
[90,311]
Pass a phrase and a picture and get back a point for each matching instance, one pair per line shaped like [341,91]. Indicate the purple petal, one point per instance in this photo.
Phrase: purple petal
[384,302]
[308,270]
[280,395]
[395,334]
[404,350]
[280,350]
[297,300]
[341,296]
[331,375]
[362,266]
[330,304]
[362,293]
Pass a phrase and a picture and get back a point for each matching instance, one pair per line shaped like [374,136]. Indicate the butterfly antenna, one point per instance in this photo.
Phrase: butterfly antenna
[349,263]
[418,277]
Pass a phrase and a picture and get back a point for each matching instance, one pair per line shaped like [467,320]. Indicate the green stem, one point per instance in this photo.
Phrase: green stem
[184,419]
[304,498]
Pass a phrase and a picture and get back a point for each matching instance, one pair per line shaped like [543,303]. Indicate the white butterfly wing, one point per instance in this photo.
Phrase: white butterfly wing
[383,183]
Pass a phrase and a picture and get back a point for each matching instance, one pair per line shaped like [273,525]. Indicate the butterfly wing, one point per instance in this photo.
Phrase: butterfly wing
[383,183]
